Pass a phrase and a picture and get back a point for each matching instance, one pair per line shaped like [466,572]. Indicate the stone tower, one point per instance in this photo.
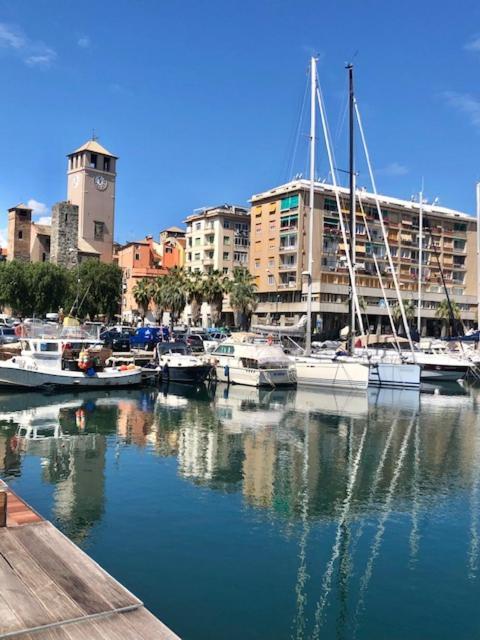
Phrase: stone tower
[19,233]
[64,240]
[91,186]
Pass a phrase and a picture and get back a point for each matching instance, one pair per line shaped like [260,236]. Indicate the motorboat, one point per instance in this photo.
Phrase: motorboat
[70,360]
[177,363]
[342,372]
[240,359]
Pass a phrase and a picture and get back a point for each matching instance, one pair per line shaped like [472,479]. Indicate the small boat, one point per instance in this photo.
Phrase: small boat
[66,361]
[241,360]
[342,372]
[177,363]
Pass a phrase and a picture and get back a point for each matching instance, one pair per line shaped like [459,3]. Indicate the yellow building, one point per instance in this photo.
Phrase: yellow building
[278,256]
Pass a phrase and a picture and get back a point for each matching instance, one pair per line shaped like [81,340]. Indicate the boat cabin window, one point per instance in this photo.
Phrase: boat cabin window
[48,346]
[249,363]
[225,349]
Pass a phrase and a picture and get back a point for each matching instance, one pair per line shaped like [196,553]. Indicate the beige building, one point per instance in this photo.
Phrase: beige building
[217,238]
[278,256]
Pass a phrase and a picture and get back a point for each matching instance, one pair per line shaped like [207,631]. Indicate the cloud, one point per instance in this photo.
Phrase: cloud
[466,104]
[393,169]
[3,238]
[84,42]
[44,220]
[38,208]
[473,44]
[33,53]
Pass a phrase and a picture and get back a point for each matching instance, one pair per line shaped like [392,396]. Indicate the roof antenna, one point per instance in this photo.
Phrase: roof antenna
[94,135]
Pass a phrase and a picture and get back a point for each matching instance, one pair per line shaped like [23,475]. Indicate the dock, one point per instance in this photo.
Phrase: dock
[51,590]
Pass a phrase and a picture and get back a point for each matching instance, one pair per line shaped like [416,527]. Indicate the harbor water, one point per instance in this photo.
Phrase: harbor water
[237,513]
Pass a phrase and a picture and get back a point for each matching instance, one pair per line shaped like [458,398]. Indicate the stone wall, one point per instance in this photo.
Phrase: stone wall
[19,234]
[64,242]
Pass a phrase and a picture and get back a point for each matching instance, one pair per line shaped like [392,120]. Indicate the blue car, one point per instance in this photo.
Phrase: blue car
[146,338]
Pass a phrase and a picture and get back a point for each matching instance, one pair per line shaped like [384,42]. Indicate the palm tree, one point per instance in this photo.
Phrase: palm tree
[444,313]
[410,312]
[142,293]
[243,296]
[195,293]
[216,285]
[158,297]
[173,293]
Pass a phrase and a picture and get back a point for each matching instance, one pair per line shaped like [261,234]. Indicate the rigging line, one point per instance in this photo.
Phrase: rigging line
[379,275]
[387,509]
[302,575]
[327,576]
[339,206]
[295,138]
[414,535]
[474,511]
[382,224]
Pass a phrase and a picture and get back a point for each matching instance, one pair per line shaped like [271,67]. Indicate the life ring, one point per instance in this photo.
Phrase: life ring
[85,361]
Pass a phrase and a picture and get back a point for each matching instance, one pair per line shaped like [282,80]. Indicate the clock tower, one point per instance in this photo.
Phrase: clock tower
[91,186]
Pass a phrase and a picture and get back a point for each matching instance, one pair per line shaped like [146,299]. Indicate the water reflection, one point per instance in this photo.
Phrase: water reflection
[348,467]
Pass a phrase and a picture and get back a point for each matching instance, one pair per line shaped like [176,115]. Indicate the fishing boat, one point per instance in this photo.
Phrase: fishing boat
[72,359]
[177,363]
[241,359]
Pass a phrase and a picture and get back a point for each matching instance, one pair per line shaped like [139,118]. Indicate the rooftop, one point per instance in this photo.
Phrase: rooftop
[366,196]
[173,230]
[21,206]
[222,209]
[93,146]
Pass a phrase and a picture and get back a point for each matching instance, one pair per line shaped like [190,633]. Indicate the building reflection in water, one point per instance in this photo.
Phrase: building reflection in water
[303,457]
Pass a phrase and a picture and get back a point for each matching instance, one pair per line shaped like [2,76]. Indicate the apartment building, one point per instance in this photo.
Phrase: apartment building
[278,257]
[217,238]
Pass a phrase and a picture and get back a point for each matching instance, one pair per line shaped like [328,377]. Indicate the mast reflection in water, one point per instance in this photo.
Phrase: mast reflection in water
[246,513]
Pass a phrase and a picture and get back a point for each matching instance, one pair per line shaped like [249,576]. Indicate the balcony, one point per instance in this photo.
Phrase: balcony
[288,248]
[287,267]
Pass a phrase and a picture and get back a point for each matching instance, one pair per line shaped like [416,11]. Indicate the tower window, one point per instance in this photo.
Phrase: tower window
[20,235]
[99,230]
[106,164]
[93,160]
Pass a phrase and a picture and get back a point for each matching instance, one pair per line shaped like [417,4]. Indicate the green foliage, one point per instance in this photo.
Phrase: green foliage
[100,288]
[216,284]
[195,294]
[243,296]
[443,310]
[171,293]
[410,311]
[143,293]
[14,290]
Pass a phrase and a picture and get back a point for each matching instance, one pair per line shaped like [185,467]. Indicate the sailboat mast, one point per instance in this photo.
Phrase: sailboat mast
[351,170]
[420,263]
[313,73]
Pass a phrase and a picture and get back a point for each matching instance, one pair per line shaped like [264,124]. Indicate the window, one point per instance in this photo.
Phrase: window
[272,226]
[238,256]
[290,202]
[168,250]
[226,255]
[137,256]
[198,225]
[197,256]
[225,269]
[271,262]
[459,226]
[20,235]
[258,229]
[93,160]
[271,279]
[226,224]
[44,257]
[99,230]
[197,242]
[257,264]
[226,239]
[106,164]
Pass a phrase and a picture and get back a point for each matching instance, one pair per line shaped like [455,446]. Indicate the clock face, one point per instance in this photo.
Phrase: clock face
[75,182]
[101,183]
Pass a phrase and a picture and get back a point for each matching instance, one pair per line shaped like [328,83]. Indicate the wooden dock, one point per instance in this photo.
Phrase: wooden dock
[51,590]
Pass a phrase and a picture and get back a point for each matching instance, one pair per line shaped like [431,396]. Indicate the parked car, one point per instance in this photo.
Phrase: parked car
[7,335]
[116,340]
[195,342]
[146,338]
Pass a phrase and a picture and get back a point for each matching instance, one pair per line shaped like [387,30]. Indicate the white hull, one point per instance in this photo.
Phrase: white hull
[256,377]
[399,376]
[16,376]
[343,374]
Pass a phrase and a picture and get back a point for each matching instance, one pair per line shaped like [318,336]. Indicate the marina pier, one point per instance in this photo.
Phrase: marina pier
[51,590]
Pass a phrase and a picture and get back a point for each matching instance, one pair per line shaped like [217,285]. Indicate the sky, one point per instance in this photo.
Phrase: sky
[202,100]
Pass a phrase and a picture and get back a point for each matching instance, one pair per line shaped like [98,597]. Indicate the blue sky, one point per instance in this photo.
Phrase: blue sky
[201,99]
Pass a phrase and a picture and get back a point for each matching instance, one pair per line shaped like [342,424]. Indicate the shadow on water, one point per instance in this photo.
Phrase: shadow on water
[360,491]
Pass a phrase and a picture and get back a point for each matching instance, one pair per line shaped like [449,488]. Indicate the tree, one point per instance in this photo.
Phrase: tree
[444,313]
[410,312]
[173,293]
[243,297]
[158,297]
[195,292]
[216,285]
[49,287]
[100,288]
[14,290]
[142,294]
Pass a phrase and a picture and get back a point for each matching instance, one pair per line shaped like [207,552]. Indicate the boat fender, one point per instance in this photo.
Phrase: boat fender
[166,371]
[90,372]
[226,372]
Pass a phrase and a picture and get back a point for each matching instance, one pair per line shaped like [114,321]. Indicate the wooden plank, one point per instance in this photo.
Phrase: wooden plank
[34,578]
[147,625]
[21,601]
[57,560]
[79,563]
[8,619]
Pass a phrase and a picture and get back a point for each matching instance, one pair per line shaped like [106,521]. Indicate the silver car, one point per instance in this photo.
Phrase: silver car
[7,335]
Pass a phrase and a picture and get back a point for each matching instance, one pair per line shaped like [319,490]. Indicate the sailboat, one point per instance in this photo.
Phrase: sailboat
[342,371]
